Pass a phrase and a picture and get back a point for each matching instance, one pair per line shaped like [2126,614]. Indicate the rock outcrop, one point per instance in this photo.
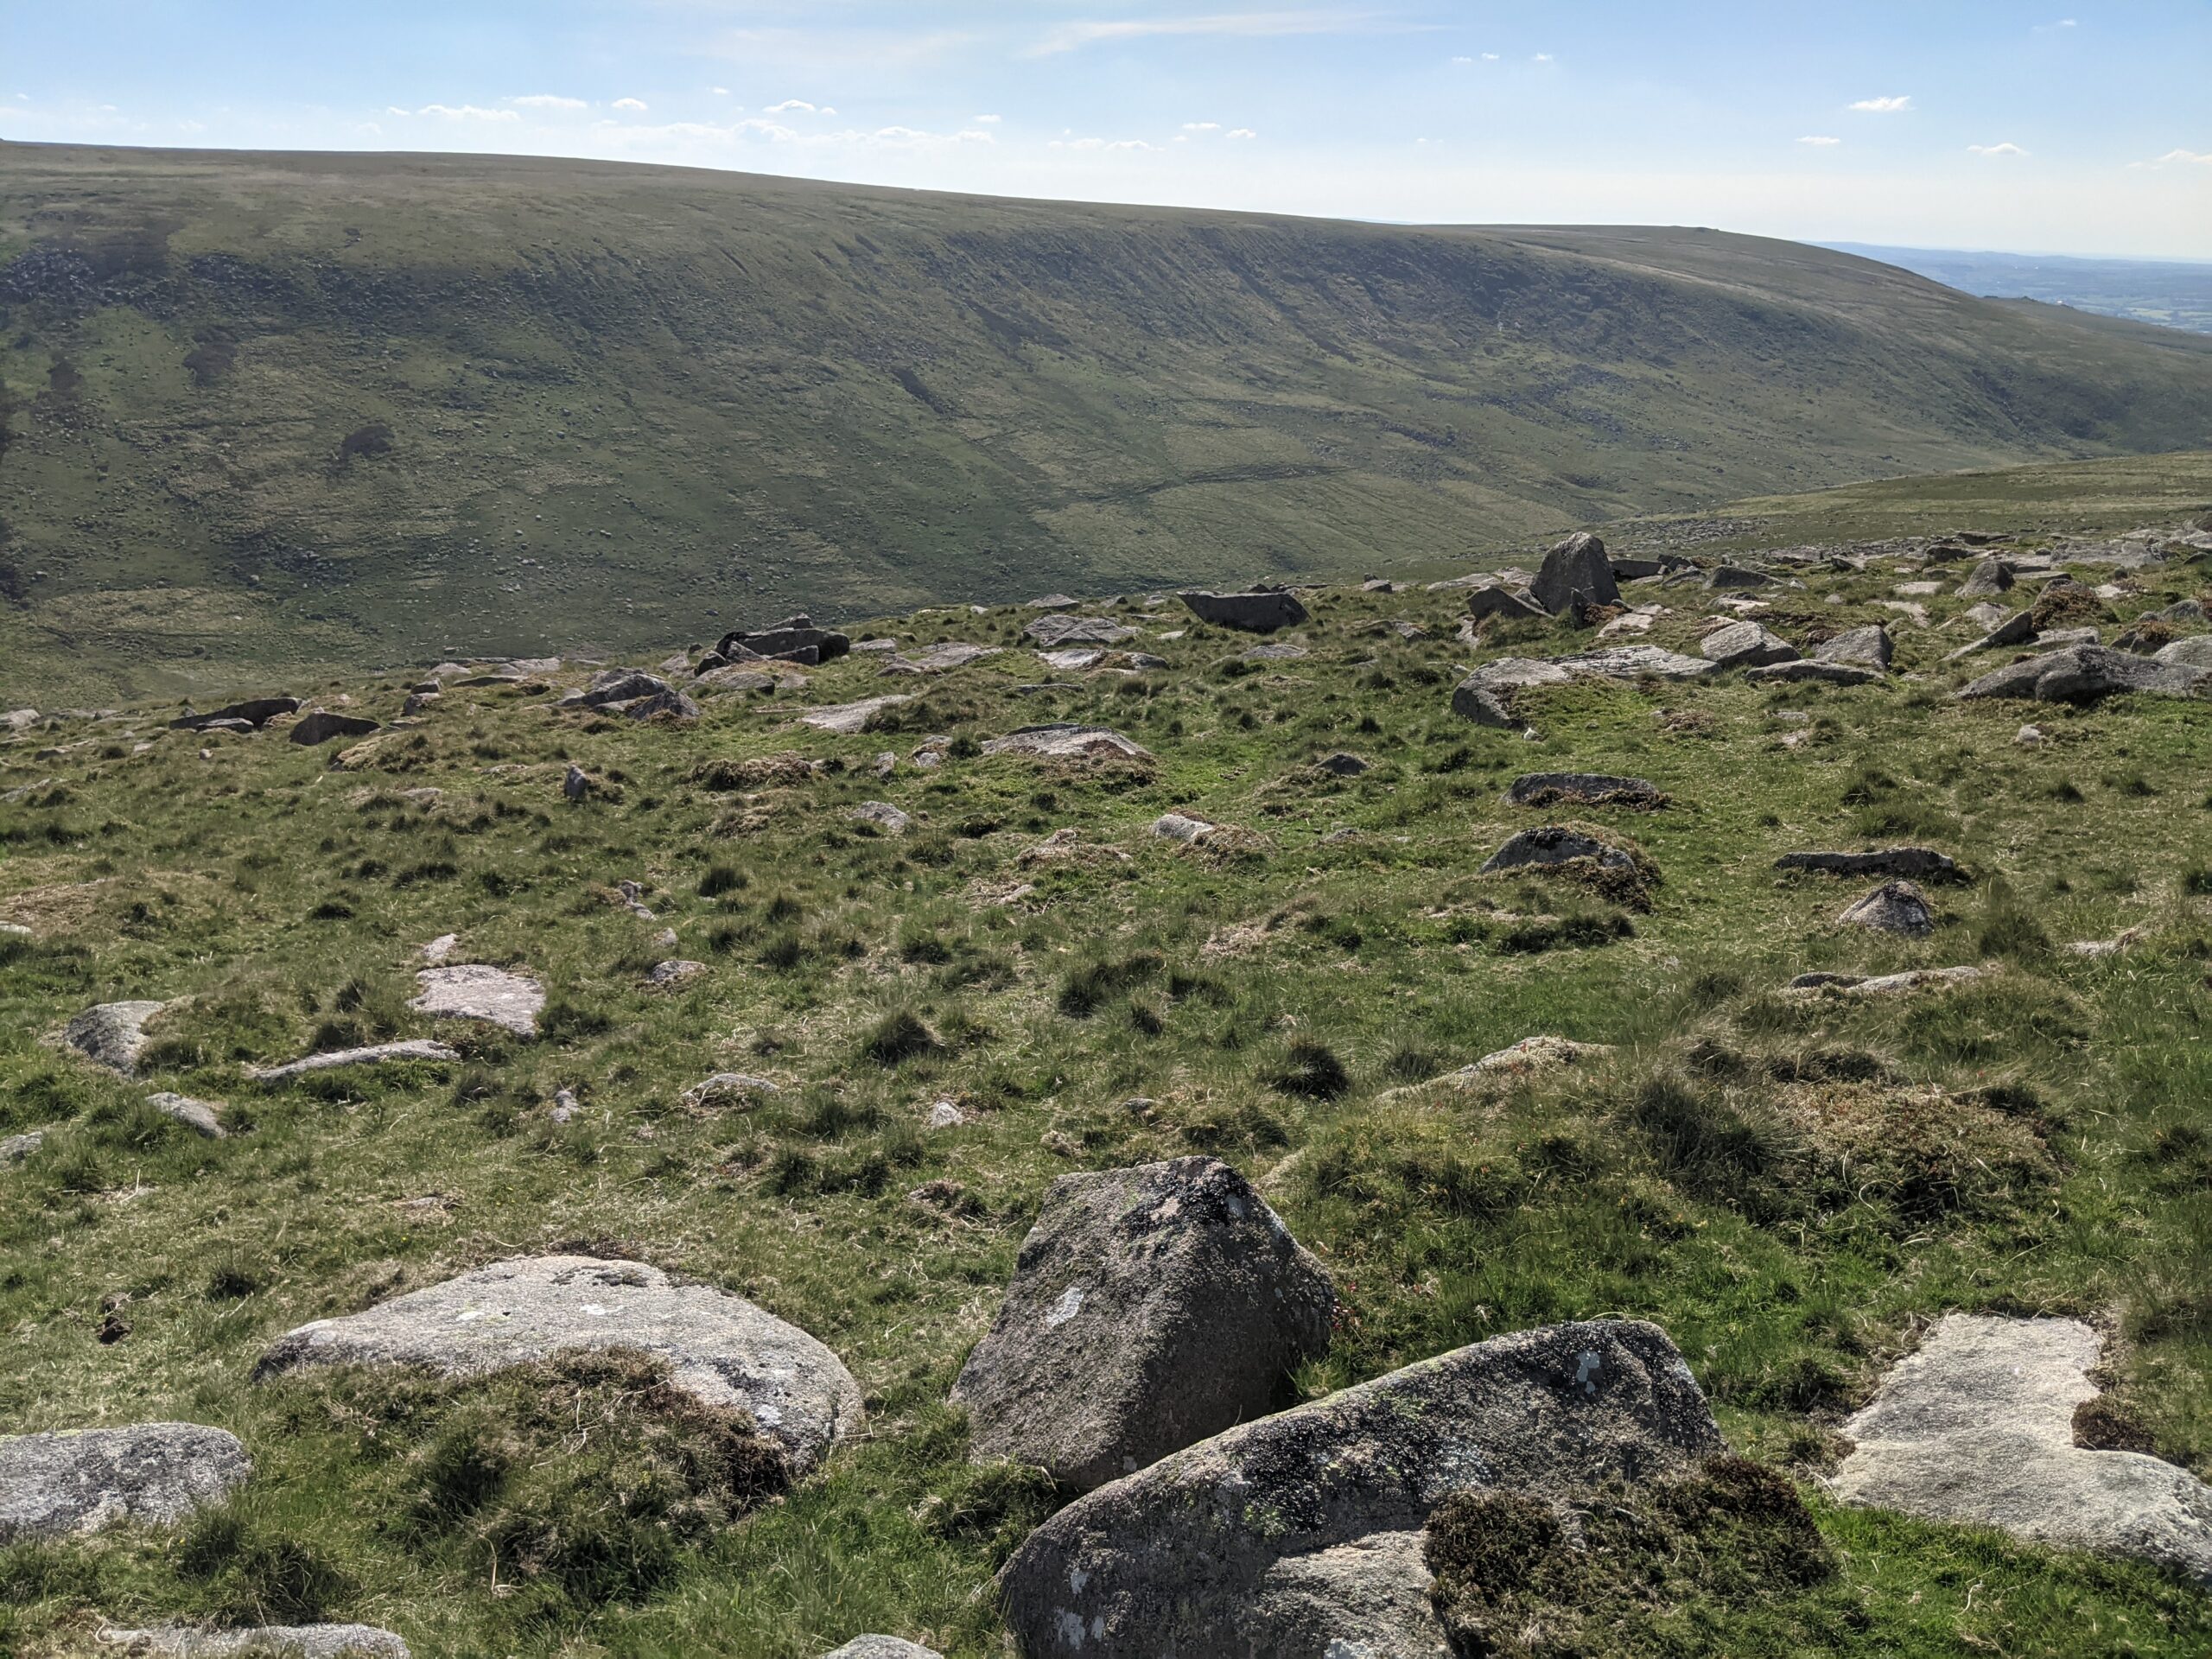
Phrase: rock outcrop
[1262,610]
[53,1484]
[112,1034]
[2085,673]
[1575,572]
[475,990]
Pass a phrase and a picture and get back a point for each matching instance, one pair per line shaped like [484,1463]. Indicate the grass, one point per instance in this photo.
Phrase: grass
[1792,1187]
[264,415]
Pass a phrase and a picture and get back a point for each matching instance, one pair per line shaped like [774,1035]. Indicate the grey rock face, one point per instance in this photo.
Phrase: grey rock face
[1977,1428]
[256,712]
[1867,647]
[1065,741]
[2085,673]
[112,1034]
[940,659]
[1058,629]
[850,717]
[1556,844]
[794,639]
[1915,979]
[2015,630]
[1801,672]
[57,1484]
[198,1115]
[1262,611]
[475,990]
[1495,599]
[323,725]
[1922,864]
[1180,826]
[884,816]
[1724,577]
[1230,1547]
[1485,696]
[675,971]
[727,1089]
[1989,578]
[15,1148]
[1281,651]
[720,1347]
[1745,645]
[1575,570]
[576,784]
[1635,662]
[1341,764]
[670,704]
[415,1048]
[617,685]
[1583,788]
[1150,1308]
[1893,907]
[274,1641]
[885,1646]
[2194,652]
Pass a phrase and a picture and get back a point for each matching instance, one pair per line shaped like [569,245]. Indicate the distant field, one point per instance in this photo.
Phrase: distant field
[2165,292]
[264,412]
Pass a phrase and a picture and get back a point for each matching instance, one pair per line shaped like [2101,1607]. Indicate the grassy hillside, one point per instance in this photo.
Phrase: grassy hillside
[365,409]
[1791,1185]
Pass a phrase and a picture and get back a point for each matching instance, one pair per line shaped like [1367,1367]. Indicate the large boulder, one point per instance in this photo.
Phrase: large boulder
[1260,611]
[1556,844]
[1634,663]
[261,1641]
[475,990]
[1485,696]
[1745,645]
[1921,863]
[1066,740]
[324,724]
[1584,789]
[1150,1307]
[615,686]
[794,639]
[2193,653]
[2085,673]
[81,1480]
[1989,578]
[1893,907]
[1575,572]
[1495,599]
[1287,1537]
[852,717]
[1059,629]
[112,1034]
[255,712]
[1801,671]
[719,1348]
[1978,1428]
[1867,647]
[885,1646]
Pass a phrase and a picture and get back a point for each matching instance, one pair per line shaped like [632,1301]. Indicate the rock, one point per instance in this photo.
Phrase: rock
[565,1106]
[1495,599]
[1819,673]
[1146,662]
[2015,630]
[1917,979]
[618,685]
[943,1114]
[112,1034]
[80,1480]
[884,816]
[2195,651]
[440,948]
[2112,947]
[2029,737]
[940,659]
[730,678]
[198,1115]
[1922,863]
[1485,696]
[1058,629]
[1584,789]
[263,1641]
[1527,1058]
[1745,645]
[1175,826]
[1341,764]
[721,1348]
[850,717]
[885,1646]
[15,1148]
[674,972]
[1575,570]
[420,703]
[1237,1545]
[727,1089]
[1065,741]
[1989,578]
[1260,611]
[19,720]
[1052,602]
[1150,1307]
[1282,651]
[1867,647]
[2187,613]
[1557,844]
[795,639]
[256,713]
[1724,577]
[476,990]
[1072,660]
[375,1054]
[1893,907]
[1977,1429]
[633,900]
[670,704]
[1635,662]
[2085,673]
[323,725]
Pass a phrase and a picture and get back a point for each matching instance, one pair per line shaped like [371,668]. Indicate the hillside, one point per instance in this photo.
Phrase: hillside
[268,409]
[832,996]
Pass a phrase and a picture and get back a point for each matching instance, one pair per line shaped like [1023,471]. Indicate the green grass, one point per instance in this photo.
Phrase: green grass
[629,406]
[1789,1187]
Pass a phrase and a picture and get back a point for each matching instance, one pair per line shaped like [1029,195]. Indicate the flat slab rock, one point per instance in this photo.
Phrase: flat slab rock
[273,1640]
[850,717]
[1261,611]
[1150,1307]
[1556,844]
[414,1048]
[1977,1428]
[1061,741]
[1289,1535]
[1583,789]
[54,1484]
[1922,863]
[475,990]
[722,1348]
[1913,979]
[112,1034]
[2085,673]
[884,1647]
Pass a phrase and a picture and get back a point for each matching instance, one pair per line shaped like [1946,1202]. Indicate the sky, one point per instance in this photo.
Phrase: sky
[1951,123]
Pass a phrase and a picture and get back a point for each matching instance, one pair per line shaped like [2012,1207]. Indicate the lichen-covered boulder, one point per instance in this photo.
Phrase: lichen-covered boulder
[1286,1537]
[1575,570]
[1261,611]
[2085,673]
[1150,1307]
[260,1641]
[1893,907]
[73,1481]
[112,1034]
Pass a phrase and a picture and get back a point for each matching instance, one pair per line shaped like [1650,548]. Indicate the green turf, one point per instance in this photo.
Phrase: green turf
[629,406]
[1791,1188]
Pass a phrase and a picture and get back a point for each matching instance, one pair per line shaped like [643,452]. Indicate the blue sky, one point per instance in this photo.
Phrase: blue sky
[1944,123]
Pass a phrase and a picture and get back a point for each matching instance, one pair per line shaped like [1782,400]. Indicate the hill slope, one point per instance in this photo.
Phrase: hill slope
[622,403]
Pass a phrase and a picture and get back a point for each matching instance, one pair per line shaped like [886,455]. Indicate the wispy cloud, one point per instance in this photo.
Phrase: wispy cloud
[1485,57]
[1543,57]
[2179,158]
[800,107]
[464,112]
[987,120]
[1897,105]
[1201,126]
[1819,139]
[1070,37]
[548,101]
[1243,132]
[2007,149]
[636,105]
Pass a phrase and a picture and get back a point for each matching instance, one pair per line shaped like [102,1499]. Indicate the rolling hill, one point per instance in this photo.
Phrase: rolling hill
[261,411]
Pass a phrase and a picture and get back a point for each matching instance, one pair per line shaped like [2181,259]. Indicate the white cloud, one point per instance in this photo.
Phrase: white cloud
[192,126]
[394,109]
[1897,105]
[720,91]
[790,105]
[1819,139]
[1243,132]
[1542,57]
[465,112]
[548,101]
[1996,149]
[2180,158]
[629,103]
[1201,126]
[989,120]
[1070,37]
